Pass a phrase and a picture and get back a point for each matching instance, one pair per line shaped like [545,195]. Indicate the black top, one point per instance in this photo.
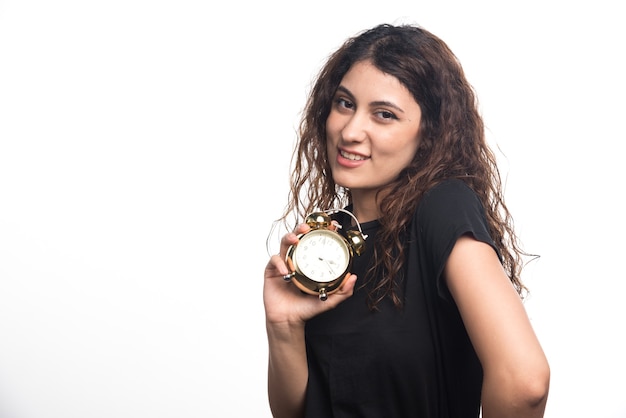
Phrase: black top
[414,362]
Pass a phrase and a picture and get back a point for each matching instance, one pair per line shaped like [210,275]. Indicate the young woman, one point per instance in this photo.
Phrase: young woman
[430,321]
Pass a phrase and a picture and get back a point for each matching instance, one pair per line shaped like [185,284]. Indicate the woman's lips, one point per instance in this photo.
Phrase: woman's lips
[351,156]
[350,159]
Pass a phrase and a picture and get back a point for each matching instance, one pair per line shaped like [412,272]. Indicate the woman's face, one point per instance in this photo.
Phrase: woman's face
[372,129]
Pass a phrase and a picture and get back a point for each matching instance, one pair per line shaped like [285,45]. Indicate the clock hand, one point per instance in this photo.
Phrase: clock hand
[330,268]
[326,261]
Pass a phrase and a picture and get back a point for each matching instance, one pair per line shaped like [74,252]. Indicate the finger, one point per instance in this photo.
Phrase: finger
[347,287]
[276,267]
[292,238]
[287,241]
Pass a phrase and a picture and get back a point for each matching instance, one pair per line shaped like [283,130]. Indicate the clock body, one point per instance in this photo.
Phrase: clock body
[320,261]
[322,258]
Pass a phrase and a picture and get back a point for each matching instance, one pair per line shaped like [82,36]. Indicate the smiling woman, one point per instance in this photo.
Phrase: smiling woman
[372,132]
[391,134]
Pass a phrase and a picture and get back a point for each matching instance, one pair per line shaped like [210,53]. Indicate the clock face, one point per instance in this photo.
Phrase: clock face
[322,256]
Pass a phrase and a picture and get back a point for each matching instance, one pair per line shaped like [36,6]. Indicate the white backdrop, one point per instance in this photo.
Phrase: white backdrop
[144,153]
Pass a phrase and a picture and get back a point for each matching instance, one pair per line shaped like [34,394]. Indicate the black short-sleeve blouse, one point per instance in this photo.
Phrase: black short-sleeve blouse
[416,361]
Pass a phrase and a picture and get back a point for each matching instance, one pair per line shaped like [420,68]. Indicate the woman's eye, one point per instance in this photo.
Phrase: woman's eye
[384,114]
[341,102]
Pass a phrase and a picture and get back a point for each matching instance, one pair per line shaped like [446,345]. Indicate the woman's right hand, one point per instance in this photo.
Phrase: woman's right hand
[284,302]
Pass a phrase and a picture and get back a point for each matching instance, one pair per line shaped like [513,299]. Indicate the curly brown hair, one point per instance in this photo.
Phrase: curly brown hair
[452,145]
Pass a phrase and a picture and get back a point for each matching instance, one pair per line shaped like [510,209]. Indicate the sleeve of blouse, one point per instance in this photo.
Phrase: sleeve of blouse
[448,211]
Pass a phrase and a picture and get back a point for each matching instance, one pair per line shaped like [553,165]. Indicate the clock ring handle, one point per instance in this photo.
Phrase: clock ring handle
[358,224]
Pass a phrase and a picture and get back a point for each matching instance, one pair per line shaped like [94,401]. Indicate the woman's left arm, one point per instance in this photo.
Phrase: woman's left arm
[516,371]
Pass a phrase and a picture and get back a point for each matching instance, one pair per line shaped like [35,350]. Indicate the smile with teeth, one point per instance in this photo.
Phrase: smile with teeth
[352,157]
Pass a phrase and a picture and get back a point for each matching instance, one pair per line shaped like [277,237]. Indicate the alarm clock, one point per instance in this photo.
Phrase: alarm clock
[322,257]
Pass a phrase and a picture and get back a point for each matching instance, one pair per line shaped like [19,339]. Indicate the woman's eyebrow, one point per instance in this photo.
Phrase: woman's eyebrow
[374,103]
[345,90]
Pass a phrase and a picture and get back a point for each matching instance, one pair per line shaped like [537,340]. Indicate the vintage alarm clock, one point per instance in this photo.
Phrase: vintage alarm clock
[322,258]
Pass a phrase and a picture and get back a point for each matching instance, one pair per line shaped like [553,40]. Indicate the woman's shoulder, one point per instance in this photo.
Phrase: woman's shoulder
[449,204]
[449,210]
[448,194]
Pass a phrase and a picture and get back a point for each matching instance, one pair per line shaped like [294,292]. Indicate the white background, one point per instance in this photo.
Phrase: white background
[144,153]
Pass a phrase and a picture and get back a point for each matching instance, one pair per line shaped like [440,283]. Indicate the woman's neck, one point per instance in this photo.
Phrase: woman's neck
[365,206]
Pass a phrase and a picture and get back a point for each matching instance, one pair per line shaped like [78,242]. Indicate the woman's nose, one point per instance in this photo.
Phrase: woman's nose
[355,129]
